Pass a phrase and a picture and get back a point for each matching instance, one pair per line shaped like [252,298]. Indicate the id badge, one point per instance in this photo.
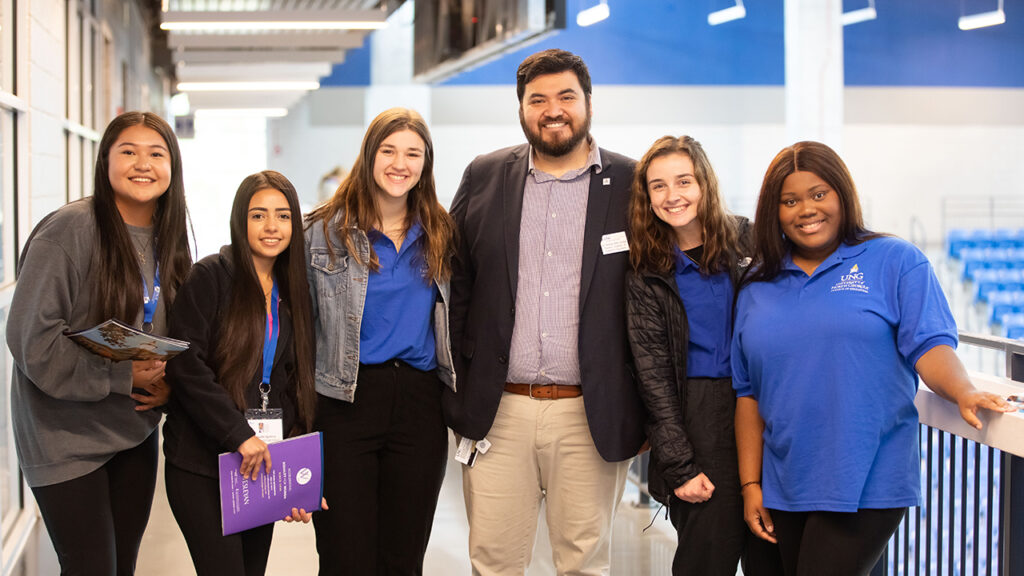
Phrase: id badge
[267,424]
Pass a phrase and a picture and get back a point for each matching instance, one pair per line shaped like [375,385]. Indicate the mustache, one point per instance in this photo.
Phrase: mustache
[548,119]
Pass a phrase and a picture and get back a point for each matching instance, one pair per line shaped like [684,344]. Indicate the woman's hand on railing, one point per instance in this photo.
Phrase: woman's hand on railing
[970,402]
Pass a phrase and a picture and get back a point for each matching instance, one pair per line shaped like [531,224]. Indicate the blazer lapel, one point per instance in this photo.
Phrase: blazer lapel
[513,183]
[597,212]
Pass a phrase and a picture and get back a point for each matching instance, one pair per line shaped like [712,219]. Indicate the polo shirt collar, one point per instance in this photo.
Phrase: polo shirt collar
[843,252]
[683,262]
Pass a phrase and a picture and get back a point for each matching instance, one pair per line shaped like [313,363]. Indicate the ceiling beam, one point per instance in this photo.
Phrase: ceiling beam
[275,19]
[227,56]
[236,72]
[339,40]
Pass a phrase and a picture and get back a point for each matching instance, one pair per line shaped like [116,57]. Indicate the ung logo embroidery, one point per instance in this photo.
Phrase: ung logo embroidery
[852,281]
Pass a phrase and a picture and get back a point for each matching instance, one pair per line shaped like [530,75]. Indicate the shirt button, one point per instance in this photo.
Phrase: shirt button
[542,373]
[545,293]
[550,253]
[543,334]
[552,214]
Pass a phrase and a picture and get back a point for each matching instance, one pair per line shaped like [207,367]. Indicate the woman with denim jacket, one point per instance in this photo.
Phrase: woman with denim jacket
[687,253]
[381,245]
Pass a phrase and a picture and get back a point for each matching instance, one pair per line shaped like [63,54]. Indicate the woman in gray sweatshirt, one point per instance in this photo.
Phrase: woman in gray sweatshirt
[84,426]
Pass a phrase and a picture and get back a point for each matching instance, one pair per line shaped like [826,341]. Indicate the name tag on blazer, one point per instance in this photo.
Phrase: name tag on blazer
[613,243]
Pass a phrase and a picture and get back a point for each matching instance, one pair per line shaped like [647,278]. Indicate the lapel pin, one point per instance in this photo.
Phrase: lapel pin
[607,181]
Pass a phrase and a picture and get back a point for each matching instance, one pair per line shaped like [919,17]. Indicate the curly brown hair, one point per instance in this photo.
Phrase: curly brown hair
[652,241]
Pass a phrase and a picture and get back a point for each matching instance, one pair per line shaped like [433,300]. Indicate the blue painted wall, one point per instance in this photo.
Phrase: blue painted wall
[354,71]
[669,42]
[918,43]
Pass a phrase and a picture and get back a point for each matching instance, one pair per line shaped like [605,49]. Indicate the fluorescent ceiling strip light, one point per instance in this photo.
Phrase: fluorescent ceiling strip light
[291,86]
[983,19]
[859,15]
[593,15]
[297,25]
[266,112]
[727,14]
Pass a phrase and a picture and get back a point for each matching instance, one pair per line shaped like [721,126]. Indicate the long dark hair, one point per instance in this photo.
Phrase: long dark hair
[115,267]
[243,326]
[771,245]
[653,241]
[356,200]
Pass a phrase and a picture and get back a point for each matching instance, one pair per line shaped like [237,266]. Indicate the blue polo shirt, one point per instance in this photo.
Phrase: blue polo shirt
[830,359]
[708,304]
[397,318]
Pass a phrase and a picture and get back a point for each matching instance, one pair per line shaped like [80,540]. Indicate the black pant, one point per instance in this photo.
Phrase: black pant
[195,502]
[96,521]
[712,536]
[384,461]
[834,543]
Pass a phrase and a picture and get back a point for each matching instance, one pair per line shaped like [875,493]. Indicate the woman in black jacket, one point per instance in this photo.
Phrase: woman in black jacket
[230,309]
[686,252]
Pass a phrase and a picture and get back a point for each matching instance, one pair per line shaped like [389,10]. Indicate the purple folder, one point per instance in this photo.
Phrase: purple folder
[295,481]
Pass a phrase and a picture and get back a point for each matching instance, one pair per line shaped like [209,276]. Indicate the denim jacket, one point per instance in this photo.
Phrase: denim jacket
[338,289]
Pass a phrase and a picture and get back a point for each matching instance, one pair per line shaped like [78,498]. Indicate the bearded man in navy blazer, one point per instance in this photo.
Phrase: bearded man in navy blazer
[538,327]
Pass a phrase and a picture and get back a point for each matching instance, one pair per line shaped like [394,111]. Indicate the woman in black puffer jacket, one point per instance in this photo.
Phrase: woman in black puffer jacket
[686,253]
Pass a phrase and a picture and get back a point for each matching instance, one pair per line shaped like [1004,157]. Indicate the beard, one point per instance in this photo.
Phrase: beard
[557,148]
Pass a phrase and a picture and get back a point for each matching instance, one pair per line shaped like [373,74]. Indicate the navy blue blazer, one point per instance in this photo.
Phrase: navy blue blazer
[487,210]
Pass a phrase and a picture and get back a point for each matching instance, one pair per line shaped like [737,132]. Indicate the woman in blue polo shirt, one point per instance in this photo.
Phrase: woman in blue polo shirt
[833,326]
[686,252]
[382,244]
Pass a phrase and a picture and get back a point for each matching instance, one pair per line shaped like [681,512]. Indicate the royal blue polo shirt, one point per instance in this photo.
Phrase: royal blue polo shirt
[397,316]
[830,360]
[708,304]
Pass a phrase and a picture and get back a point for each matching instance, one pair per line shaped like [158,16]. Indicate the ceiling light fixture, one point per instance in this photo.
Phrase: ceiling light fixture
[593,15]
[289,86]
[727,14]
[983,19]
[860,15]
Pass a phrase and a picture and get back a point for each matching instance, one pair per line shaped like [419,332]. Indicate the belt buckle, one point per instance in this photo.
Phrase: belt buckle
[531,391]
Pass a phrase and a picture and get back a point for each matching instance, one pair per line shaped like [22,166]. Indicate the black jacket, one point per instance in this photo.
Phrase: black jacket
[690,428]
[487,209]
[202,419]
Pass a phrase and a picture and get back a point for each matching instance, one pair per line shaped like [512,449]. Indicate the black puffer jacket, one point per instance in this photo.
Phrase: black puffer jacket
[659,336]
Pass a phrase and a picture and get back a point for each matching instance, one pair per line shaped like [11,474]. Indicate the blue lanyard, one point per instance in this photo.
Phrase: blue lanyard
[270,338]
[149,302]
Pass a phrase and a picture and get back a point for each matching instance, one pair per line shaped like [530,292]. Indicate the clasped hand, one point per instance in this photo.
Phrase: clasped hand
[148,375]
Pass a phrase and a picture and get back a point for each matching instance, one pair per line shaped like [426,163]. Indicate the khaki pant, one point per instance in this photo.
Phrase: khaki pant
[541,449]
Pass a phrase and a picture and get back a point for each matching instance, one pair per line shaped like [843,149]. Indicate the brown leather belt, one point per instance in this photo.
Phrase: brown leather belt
[544,391]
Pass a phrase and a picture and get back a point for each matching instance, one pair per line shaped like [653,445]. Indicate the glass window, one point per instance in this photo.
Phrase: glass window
[6,45]
[73,81]
[6,196]
[9,477]
[89,76]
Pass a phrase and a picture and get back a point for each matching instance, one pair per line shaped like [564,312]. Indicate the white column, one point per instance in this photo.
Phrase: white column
[391,68]
[814,71]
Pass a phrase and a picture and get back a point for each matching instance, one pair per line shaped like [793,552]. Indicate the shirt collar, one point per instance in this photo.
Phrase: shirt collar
[413,234]
[683,261]
[843,252]
[593,160]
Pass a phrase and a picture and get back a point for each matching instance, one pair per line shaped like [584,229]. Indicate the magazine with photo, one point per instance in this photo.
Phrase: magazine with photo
[294,481]
[118,341]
